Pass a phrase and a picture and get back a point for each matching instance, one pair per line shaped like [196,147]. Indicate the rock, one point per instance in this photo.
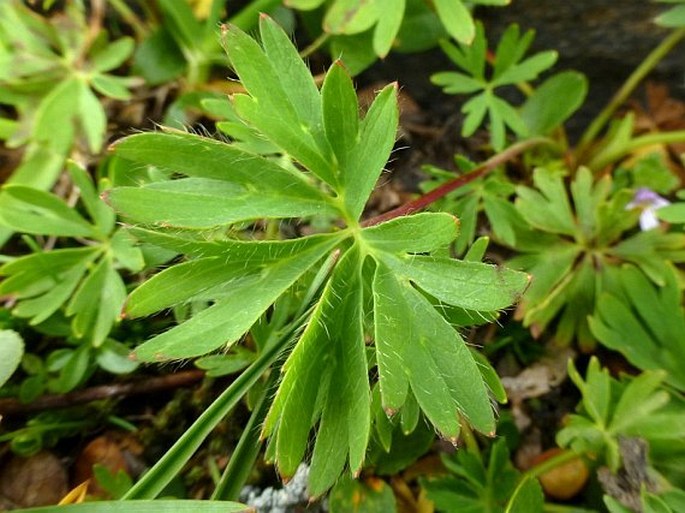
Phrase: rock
[39,480]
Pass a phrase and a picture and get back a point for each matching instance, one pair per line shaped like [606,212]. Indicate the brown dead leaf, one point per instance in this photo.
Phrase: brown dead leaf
[103,450]
[535,381]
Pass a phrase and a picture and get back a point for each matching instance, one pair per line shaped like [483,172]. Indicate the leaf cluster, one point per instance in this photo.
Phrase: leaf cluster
[638,407]
[541,112]
[573,242]
[50,72]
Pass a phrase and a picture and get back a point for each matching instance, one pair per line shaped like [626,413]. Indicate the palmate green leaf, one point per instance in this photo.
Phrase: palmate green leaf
[383,277]
[635,407]
[509,67]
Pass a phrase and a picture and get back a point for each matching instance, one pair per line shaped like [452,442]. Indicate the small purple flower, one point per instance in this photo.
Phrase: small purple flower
[649,202]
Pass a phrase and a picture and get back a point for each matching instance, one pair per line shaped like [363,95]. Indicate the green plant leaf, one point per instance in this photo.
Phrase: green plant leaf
[186,29]
[234,311]
[376,138]
[97,209]
[112,55]
[340,112]
[548,208]
[474,484]
[97,303]
[419,233]
[58,109]
[410,337]
[378,282]
[204,203]
[528,498]
[474,286]
[213,160]
[542,113]
[224,263]
[29,210]
[457,20]
[111,86]
[12,350]
[646,328]
[293,129]
[389,22]
[350,17]
[674,17]
[328,361]
[374,496]
[43,282]
[509,67]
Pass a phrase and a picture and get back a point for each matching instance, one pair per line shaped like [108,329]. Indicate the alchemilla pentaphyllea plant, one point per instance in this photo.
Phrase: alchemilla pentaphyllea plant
[383,311]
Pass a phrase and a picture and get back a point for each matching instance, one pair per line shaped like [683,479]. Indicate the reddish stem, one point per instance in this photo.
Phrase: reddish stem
[439,192]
